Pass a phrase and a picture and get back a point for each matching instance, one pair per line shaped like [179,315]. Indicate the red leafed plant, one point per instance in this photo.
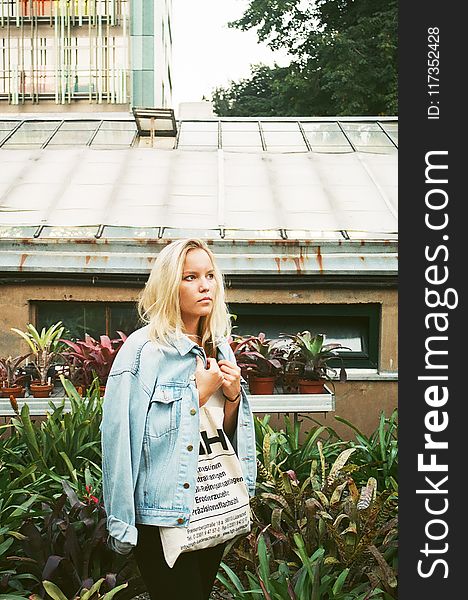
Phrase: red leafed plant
[258,355]
[89,357]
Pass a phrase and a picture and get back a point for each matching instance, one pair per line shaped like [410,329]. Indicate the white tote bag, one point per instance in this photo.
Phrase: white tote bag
[221,507]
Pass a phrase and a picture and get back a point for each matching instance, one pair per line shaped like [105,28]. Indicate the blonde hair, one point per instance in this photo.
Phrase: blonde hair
[158,302]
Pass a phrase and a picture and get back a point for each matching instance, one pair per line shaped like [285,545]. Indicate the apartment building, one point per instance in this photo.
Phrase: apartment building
[82,53]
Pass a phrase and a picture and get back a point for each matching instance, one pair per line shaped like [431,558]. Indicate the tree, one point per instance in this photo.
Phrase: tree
[343,59]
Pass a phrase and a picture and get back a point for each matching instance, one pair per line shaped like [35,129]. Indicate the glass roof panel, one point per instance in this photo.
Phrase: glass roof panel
[364,139]
[31,134]
[199,126]
[71,138]
[131,232]
[360,126]
[198,138]
[392,130]
[241,138]
[280,126]
[207,234]
[17,232]
[239,126]
[323,126]
[292,139]
[108,138]
[377,149]
[69,232]
[333,149]
[7,125]
[252,234]
[80,125]
[146,124]
[119,125]
[319,139]
[308,234]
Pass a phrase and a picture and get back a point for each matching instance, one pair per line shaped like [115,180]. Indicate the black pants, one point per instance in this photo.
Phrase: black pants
[192,576]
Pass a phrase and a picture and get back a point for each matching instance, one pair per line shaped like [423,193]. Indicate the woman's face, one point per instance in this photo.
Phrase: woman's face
[198,285]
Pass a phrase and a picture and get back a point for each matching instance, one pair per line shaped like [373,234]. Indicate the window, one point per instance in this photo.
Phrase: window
[353,325]
[94,318]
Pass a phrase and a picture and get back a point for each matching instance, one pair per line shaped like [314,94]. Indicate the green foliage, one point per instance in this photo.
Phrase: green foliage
[309,504]
[343,60]
[53,521]
[85,594]
[46,346]
[64,444]
[378,453]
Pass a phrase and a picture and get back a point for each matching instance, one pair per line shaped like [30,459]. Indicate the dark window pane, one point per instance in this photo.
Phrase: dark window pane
[77,317]
[93,318]
[123,317]
[353,326]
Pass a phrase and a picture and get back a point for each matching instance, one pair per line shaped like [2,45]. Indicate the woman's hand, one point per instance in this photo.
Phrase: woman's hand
[208,380]
[232,375]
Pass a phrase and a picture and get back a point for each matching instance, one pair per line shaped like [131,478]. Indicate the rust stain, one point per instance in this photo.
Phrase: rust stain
[22,261]
[278,264]
[297,262]
[87,259]
[85,241]
[362,258]
[363,242]
[319,259]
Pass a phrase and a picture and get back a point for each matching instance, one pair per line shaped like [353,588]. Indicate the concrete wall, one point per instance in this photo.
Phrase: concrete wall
[360,401]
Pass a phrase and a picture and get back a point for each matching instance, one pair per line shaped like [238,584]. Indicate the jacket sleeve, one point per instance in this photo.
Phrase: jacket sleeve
[122,429]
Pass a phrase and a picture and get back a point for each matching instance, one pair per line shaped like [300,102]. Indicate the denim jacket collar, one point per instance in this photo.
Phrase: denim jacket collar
[184,344]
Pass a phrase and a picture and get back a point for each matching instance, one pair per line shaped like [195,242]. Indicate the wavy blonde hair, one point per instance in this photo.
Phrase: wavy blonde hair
[158,302]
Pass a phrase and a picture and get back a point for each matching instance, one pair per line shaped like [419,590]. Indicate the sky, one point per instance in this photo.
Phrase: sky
[206,53]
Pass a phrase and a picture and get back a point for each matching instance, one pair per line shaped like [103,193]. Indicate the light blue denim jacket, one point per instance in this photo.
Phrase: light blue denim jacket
[150,435]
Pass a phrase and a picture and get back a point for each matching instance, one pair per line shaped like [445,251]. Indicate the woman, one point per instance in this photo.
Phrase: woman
[150,429]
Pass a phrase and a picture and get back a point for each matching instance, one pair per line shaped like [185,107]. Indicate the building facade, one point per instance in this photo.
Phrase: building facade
[81,53]
[300,213]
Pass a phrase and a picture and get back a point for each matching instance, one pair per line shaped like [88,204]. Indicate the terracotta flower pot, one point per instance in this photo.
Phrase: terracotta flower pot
[311,386]
[261,385]
[41,390]
[16,391]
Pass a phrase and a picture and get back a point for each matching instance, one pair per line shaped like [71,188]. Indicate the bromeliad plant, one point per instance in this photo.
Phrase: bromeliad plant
[46,346]
[259,356]
[12,381]
[89,358]
[313,356]
[356,529]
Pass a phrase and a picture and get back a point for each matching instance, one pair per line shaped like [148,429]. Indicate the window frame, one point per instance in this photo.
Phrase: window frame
[352,360]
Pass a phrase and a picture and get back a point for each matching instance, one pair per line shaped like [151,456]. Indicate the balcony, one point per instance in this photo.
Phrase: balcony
[74,12]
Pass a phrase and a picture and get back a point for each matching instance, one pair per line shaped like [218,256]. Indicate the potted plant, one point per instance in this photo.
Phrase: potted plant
[89,358]
[11,383]
[261,360]
[46,347]
[311,358]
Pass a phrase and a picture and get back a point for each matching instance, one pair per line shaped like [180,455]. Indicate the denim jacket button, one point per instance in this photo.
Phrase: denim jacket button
[186,486]
[180,520]
[190,448]
[193,411]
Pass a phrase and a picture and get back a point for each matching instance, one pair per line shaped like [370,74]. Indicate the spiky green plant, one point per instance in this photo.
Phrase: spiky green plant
[45,346]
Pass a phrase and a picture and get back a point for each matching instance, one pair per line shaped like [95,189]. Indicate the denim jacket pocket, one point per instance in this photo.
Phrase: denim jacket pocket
[164,410]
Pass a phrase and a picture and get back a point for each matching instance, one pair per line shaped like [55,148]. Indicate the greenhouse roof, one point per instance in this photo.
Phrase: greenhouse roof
[312,181]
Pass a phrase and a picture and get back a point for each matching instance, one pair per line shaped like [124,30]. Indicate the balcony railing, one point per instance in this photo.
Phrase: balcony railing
[64,85]
[78,12]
